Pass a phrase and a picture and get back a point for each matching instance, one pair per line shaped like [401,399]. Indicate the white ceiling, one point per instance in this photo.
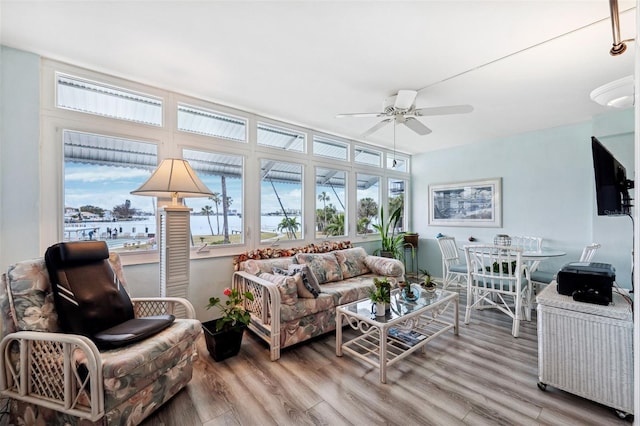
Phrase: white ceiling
[523,65]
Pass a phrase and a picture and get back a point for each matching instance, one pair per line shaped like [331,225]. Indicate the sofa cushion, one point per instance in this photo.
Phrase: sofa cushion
[385,266]
[286,286]
[351,289]
[352,262]
[324,266]
[256,266]
[305,307]
[305,290]
[313,281]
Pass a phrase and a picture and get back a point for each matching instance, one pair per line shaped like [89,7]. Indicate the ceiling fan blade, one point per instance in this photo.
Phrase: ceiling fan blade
[417,126]
[444,110]
[376,127]
[404,99]
[361,114]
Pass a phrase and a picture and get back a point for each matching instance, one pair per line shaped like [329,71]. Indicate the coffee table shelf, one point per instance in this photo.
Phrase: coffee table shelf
[408,326]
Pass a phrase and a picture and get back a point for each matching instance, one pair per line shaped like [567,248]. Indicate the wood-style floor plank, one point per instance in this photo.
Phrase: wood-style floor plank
[484,376]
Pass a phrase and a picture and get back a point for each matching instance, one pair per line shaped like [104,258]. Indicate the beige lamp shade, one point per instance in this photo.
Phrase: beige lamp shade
[174,177]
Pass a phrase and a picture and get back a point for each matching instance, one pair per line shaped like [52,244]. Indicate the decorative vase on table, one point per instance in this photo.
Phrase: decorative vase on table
[380,309]
[225,343]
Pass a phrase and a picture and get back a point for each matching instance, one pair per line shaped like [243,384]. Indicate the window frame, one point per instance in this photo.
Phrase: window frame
[171,141]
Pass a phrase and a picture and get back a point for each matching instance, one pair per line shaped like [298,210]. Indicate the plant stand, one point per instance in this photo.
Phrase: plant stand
[411,268]
[222,344]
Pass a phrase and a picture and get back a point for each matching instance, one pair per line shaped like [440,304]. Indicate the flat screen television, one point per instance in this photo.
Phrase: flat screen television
[612,185]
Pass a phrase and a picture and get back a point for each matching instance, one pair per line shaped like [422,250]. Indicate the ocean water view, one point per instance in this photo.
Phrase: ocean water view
[142,230]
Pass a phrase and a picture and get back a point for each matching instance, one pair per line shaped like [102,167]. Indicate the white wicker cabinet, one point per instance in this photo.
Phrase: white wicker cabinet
[586,349]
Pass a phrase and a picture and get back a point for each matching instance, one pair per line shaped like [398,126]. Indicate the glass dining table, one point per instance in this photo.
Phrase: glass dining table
[532,259]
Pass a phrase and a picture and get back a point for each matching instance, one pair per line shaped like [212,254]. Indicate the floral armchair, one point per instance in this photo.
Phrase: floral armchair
[56,378]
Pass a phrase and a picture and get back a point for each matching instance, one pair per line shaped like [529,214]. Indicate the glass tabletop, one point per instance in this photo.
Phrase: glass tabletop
[399,307]
[534,254]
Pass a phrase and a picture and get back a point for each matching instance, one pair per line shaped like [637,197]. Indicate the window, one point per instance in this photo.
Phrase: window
[368,156]
[97,98]
[210,123]
[397,162]
[280,201]
[331,194]
[214,221]
[116,134]
[100,171]
[281,138]
[330,148]
[396,199]
[368,193]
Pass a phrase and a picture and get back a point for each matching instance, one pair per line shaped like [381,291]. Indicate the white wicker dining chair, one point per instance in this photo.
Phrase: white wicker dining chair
[588,252]
[496,280]
[527,243]
[454,270]
[542,278]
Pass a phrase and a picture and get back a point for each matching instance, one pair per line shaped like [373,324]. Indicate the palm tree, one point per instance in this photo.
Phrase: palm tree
[225,210]
[324,197]
[216,201]
[207,210]
[290,225]
[336,227]
[367,209]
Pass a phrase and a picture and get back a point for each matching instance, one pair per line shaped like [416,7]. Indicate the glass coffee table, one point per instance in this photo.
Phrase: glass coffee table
[406,327]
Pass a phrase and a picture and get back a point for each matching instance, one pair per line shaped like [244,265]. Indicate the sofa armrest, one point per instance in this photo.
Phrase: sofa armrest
[40,368]
[266,296]
[178,306]
[385,266]
[265,307]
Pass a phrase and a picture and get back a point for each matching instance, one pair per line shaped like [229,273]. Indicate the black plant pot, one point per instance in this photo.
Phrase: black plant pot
[222,344]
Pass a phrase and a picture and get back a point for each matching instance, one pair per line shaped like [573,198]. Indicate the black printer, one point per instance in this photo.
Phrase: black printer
[587,281]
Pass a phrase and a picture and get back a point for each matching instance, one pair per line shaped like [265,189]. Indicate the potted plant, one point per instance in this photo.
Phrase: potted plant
[380,294]
[392,243]
[427,282]
[411,238]
[224,335]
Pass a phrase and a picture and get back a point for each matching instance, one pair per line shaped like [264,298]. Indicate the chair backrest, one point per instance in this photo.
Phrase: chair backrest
[527,243]
[588,252]
[26,297]
[91,301]
[87,294]
[449,250]
[496,268]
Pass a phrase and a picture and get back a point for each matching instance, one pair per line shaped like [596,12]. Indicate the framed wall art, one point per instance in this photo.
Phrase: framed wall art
[473,203]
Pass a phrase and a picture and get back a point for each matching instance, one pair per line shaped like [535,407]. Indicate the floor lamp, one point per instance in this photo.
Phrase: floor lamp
[174,177]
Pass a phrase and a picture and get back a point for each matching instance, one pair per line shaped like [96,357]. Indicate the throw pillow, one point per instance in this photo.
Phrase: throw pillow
[352,262]
[305,290]
[306,274]
[324,266]
[287,287]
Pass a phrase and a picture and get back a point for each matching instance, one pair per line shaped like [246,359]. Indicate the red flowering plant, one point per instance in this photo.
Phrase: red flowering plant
[233,313]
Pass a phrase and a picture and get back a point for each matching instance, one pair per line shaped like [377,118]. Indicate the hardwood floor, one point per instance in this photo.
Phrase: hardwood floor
[484,376]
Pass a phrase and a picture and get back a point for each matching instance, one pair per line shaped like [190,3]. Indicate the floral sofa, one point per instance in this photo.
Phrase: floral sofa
[283,312]
[65,379]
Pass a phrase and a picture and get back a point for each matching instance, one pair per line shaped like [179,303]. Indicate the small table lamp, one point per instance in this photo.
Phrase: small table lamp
[174,178]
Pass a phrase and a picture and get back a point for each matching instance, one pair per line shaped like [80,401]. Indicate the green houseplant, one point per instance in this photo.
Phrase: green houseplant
[223,336]
[380,294]
[392,243]
[427,282]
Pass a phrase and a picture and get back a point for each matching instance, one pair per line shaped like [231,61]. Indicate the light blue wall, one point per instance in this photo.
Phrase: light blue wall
[547,190]
[19,155]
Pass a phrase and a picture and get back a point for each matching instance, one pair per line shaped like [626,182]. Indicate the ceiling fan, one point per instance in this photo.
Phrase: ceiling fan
[401,108]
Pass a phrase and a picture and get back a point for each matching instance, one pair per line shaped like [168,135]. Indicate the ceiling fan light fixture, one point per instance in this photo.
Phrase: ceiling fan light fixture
[616,94]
